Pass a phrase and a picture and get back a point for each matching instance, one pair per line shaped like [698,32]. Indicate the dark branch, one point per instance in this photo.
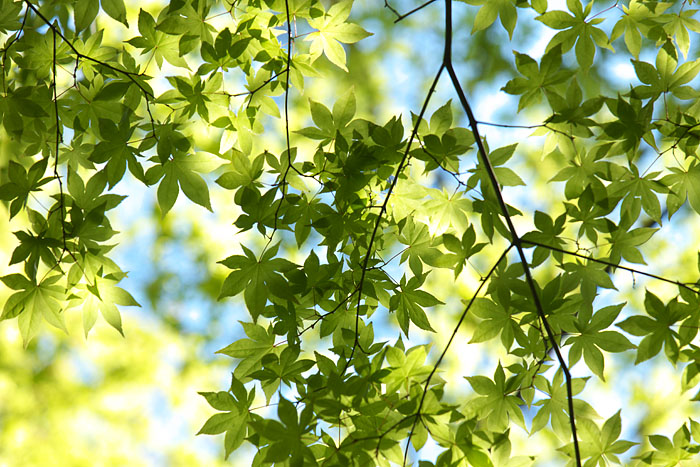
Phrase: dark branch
[515,238]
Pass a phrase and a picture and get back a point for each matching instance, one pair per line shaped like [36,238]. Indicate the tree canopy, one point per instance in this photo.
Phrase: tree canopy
[446,233]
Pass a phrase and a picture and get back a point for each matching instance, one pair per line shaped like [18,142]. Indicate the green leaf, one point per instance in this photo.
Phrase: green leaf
[448,210]
[555,407]
[656,328]
[115,9]
[10,15]
[495,406]
[408,304]
[218,423]
[34,305]
[321,115]
[85,13]
[167,192]
[593,338]
[556,19]
[256,278]
[441,120]
[16,281]
[331,31]
[495,320]
[220,400]
[540,6]
[193,186]
[250,350]
[491,10]
[343,109]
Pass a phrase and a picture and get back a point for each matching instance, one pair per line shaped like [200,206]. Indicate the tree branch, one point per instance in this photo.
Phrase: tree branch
[515,238]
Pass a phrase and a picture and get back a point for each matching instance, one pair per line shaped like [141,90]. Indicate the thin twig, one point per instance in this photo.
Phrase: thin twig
[59,138]
[447,347]
[10,43]
[406,15]
[382,211]
[391,8]
[129,74]
[283,182]
[613,265]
